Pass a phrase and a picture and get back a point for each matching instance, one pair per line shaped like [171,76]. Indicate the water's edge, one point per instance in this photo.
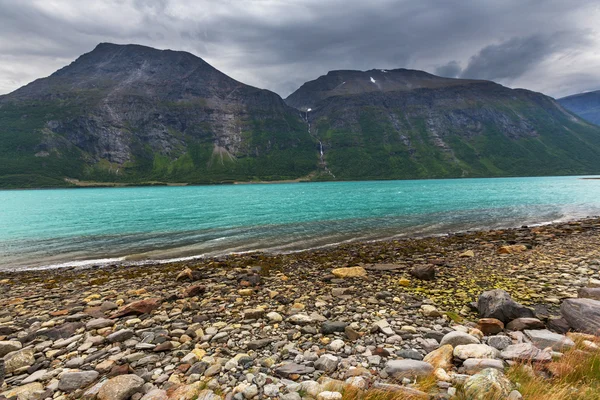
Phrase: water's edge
[124,262]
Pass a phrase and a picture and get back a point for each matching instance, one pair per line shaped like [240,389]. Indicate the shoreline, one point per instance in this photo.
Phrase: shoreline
[129,260]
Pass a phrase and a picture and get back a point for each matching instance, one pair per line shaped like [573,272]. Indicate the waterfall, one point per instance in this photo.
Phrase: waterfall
[321,149]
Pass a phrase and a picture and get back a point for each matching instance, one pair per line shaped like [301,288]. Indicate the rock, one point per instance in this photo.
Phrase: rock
[329,396]
[457,338]
[384,327]
[255,313]
[488,384]
[337,345]
[403,282]
[350,272]
[36,376]
[543,338]
[351,333]
[490,326]
[156,394]
[329,327]
[424,272]
[474,365]
[357,382]
[185,274]
[271,390]
[558,325]
[440,358]
[327,363]
[120,336]
[514,249]
[467,351]
[286,370]
[291,396]
[467,254]
[186,392]
[194,290]
[430,311]
[31,391]
[250,391]
[525,352]
[260,343]
[399,369]
[70,381]
[499,342]
[589,293]
[99,323]
[121,387]
[300,319]
[498,304]
[140,307]
[515,395]
[410,354]
[274,317]
[18,359]
[520,324]
[8,346]
[582,315]
[206,394]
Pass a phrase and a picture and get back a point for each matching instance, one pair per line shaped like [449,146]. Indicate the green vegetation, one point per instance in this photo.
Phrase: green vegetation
[44,142]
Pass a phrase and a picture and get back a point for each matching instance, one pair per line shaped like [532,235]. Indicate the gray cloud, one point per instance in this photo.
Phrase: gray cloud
[450,70]
[547,45]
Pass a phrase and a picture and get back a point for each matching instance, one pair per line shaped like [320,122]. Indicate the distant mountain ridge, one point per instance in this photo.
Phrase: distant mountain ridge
[586,105]
[132,114]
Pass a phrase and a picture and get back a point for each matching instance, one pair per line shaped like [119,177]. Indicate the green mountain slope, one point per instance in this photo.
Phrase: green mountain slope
[131,114]
[409,124]
[134,114]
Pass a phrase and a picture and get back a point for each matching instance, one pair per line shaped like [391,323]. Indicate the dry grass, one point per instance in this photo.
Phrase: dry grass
[575,376]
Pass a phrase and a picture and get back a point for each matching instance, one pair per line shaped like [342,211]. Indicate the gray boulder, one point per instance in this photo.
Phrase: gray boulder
[327,363]
[70,381]
[525,352]
[498,304]
[457,338]
[543,338]
[582,315]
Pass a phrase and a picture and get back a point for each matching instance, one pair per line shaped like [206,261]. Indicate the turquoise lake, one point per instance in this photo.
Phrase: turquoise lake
[63,227]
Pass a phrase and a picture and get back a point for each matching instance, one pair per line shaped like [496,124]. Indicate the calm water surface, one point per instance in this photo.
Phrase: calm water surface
[41,228]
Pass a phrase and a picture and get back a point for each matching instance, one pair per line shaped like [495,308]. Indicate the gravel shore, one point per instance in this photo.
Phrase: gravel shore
[307,324]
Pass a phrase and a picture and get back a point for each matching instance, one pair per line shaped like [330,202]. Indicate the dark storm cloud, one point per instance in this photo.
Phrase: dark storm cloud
[547,45]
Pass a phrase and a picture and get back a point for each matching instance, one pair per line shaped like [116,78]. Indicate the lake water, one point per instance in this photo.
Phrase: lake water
[50,228]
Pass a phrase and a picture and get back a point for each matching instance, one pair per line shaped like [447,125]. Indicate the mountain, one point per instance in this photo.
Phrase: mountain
[585,105]
[386,124]
[129,113]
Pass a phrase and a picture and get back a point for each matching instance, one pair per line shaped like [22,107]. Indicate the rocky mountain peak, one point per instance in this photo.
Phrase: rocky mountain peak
[351,82]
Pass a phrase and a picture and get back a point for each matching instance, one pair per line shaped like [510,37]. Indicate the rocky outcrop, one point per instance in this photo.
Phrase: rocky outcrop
[582,315]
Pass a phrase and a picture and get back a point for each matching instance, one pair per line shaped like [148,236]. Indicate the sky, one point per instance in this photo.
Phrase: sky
[550,46]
